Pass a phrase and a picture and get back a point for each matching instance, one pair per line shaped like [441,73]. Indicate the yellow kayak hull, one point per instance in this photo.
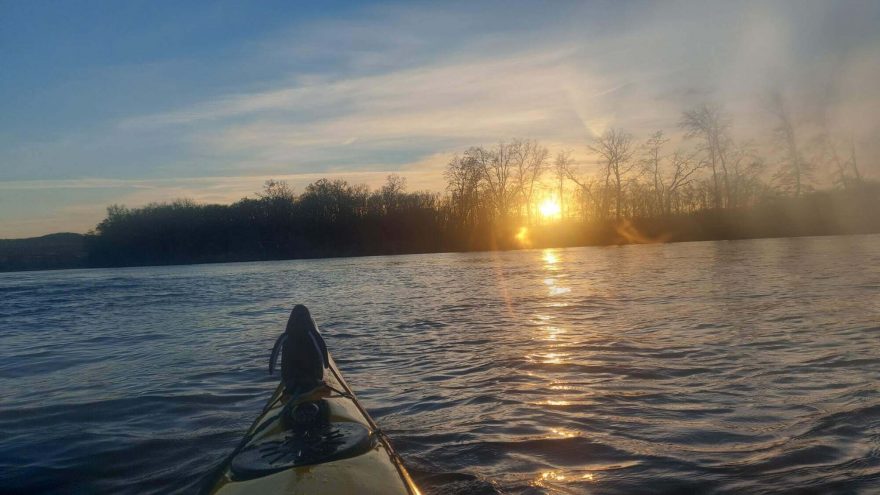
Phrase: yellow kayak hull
[375,471]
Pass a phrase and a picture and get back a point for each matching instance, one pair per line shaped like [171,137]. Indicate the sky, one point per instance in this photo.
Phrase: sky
[139,101]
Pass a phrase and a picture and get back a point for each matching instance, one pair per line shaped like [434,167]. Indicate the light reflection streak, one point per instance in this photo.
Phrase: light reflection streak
[563,433]
[551,264]
[548,477]
[547,358]
[552,358]
[552,333]
[552,475]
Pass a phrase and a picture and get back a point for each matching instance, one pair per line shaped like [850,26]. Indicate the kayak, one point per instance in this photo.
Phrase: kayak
[320,442]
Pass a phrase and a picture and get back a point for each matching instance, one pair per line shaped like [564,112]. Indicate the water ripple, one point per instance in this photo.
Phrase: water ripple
[730,367]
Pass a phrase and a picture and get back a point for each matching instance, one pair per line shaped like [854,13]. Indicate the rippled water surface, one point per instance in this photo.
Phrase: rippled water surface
[699,367]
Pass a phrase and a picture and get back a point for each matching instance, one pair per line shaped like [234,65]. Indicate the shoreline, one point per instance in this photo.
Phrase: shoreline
[371,255]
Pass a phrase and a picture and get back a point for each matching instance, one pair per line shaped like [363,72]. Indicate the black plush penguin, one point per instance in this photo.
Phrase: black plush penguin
[303,353]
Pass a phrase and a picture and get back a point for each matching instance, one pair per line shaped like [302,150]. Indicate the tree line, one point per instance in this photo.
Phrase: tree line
[709,186]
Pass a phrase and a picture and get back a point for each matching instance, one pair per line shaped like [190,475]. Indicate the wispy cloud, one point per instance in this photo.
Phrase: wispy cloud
[566,87]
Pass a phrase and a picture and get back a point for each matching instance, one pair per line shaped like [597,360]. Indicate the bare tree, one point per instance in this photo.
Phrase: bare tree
[464,178]
[745,168]
[615,150]
[392,191]
[852,161]
[585,187]
[274,190]
[846,170]
[684,168]
[841,174]
[794,170]
[651,161]
[498,174]
[709,124]
[562,170]
[530,161]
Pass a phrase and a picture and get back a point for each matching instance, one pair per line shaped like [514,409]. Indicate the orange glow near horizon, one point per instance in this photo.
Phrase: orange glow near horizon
[522,236]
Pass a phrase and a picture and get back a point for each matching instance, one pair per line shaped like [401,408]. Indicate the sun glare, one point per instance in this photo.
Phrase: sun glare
[549,208]
[522,236]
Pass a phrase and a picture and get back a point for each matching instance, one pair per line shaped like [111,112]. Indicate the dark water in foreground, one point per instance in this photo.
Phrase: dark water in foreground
[702,367]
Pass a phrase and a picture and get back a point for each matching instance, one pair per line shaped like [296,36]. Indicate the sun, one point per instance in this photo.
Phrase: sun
[549,208]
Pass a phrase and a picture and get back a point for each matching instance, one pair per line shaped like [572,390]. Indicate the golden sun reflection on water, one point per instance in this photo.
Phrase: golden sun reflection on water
[552,333]
[555,291]
[547,357]
[552,354]
[552,358]
[559,476]
[551,264]
[552,475]
[563,433]
[552,340]
[550,257]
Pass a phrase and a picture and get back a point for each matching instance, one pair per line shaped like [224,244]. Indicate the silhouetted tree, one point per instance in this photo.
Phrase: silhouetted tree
[490,191]
[530,163]
[615,150]
[653,149]
[684,168]
[464,177]
[710,125]
[794,169]
[497,168]
[562,170]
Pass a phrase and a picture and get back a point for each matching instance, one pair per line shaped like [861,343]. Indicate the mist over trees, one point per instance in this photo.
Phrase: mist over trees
[708,185]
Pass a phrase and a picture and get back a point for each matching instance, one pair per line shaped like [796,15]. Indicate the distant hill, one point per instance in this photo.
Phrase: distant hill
[49,252]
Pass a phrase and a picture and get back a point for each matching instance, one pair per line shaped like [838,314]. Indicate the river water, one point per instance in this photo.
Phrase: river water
[740,366]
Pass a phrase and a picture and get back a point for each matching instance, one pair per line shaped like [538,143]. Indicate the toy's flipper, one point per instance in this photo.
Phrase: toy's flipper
[276,351]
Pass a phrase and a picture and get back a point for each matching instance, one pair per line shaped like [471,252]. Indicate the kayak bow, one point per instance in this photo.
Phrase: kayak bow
[322,442]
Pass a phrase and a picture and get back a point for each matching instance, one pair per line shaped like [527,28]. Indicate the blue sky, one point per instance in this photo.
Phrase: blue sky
[132,102]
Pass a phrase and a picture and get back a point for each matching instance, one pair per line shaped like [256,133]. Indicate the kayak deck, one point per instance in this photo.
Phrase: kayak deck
[369,466]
